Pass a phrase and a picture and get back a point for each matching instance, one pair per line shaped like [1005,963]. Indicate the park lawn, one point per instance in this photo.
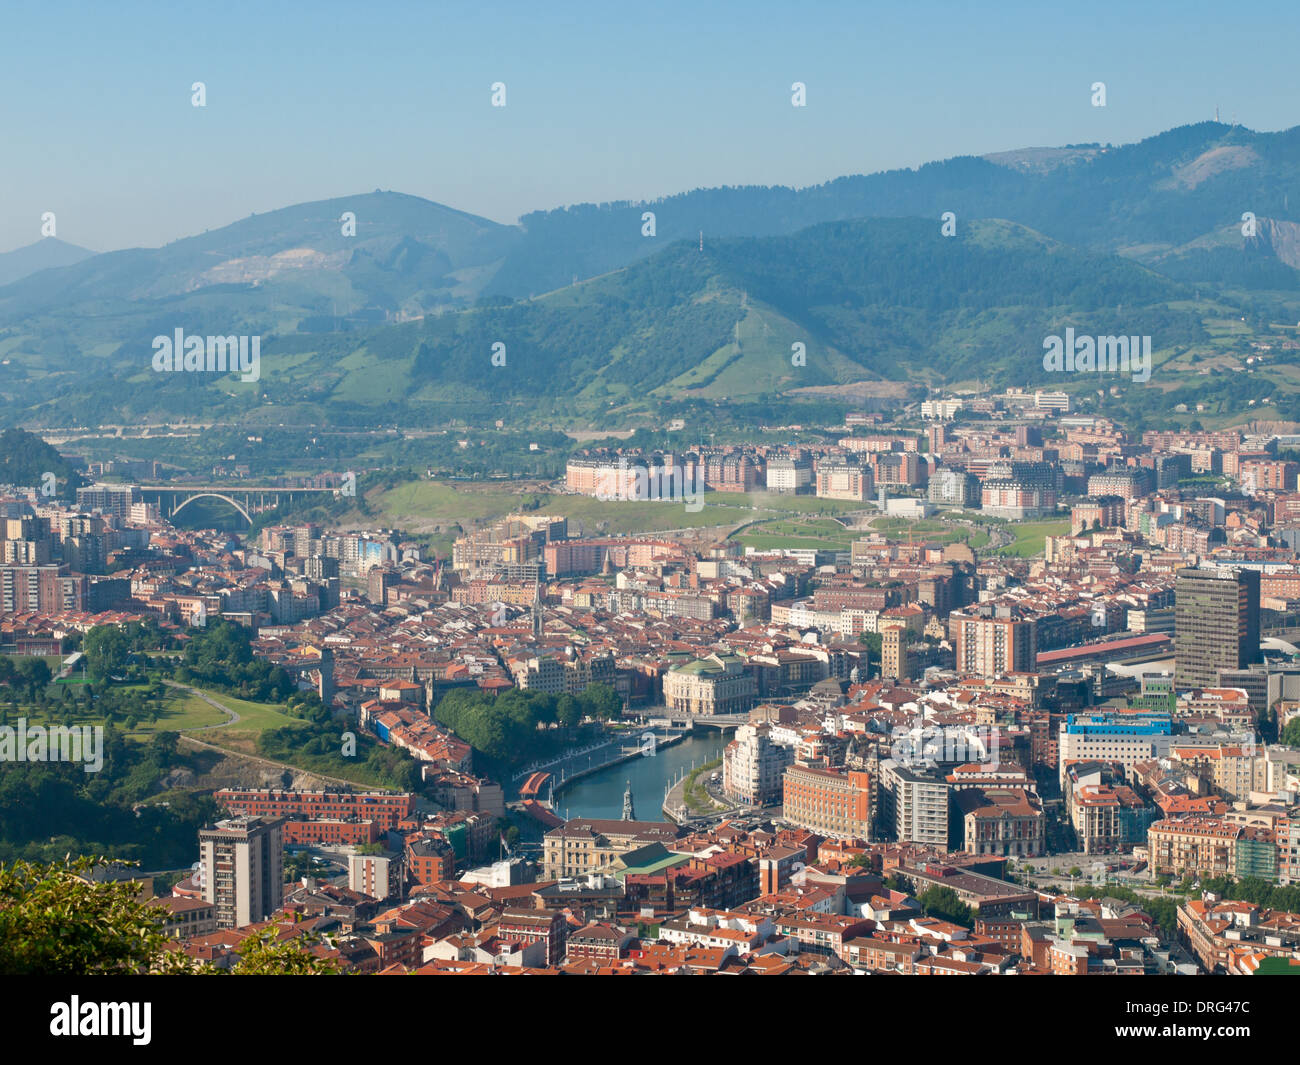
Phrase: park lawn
[55,662]
[766,542]
[936,530]
[421,505]
[254,719]
[180,711]
[829,535]
[820,534]
[1031,537]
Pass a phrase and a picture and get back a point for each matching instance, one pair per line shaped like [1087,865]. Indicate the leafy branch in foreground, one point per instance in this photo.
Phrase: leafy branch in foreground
[57,920]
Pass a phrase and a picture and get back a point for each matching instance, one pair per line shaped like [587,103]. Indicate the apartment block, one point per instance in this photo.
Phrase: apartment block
[243,869]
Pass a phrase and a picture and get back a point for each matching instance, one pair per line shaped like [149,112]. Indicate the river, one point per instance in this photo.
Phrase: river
[601,794]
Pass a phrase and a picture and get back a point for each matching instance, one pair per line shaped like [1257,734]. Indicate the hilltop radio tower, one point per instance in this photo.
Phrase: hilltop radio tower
[701,240]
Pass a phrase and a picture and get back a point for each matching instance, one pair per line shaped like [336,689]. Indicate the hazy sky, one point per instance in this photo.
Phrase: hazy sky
[307,101]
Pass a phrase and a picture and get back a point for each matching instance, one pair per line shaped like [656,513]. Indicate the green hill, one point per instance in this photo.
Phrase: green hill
[398,323]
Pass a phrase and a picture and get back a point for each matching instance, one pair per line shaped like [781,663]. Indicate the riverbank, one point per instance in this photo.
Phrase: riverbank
[681,804]
[599,793]
[627,754]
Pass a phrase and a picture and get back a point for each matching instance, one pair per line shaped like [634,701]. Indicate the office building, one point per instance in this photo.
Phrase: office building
[1114,736]
[915,804]
[831,802]
[1216,624]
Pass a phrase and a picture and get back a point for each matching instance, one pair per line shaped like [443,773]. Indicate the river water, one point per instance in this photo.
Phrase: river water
[600,795]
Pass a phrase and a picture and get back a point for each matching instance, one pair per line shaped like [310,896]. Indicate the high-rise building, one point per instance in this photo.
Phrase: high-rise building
[1216,624]
[109,498]
[43,589]
[376,875]
[834,802]
[844,479]
[988,644]
[789,473]
[954,488]
[243,869]
[893,653]
[915,804]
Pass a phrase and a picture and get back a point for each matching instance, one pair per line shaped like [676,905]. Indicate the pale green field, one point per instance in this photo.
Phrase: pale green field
[254,718]
[420,505]
[1031,537]
[822,534]
[180,711]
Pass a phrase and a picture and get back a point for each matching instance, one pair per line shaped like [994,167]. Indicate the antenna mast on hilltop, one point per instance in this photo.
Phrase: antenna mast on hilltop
[701,240]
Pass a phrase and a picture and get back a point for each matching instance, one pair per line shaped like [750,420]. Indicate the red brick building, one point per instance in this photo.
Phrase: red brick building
[532,926]
[600,943]
[382,807]
[331,830]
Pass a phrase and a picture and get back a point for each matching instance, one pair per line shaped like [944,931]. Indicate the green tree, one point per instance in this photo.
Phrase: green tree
[32,675]
[56,921]
[568,712]
[873,642]
[265,954]
[944,902]
[601,702]
[106,648]
[897,882]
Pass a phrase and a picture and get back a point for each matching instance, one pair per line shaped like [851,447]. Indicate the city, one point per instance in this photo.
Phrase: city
[930,753]
[725,490]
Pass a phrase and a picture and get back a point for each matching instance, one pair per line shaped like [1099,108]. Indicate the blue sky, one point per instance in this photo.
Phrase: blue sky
[309,101]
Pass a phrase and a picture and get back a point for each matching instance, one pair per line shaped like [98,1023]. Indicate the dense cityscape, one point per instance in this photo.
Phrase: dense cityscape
[718,490]
[1040,716]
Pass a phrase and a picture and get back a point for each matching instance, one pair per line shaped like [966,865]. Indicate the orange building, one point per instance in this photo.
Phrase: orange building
[833,802]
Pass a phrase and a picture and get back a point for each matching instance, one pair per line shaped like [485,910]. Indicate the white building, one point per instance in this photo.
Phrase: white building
[789,474]
[753,765]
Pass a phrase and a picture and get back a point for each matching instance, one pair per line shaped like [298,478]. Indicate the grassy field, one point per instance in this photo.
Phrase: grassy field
[821,534]
[433,507]
[254,718]
[933,529]
[1031,537]
[55,662]
[826,534]
[179,711]
[430,510]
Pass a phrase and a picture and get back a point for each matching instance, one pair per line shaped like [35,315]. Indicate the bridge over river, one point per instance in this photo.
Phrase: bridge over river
[248,499]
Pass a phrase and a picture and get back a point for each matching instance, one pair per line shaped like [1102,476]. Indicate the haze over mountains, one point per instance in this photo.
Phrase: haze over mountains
[45,253]
[398,321]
